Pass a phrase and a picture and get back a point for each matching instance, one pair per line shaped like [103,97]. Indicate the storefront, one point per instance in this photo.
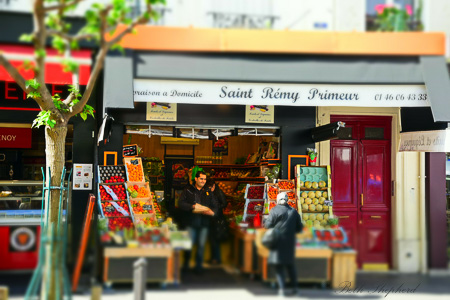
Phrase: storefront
[214,81]
[22,155]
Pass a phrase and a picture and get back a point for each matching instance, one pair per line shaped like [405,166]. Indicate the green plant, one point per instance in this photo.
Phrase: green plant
[391,18]
[333,221]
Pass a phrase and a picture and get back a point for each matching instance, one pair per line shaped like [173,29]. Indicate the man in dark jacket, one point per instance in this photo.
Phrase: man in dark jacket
[288,222]
[198,206]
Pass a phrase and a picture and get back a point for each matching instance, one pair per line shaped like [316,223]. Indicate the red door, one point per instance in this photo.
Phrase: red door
[361,176]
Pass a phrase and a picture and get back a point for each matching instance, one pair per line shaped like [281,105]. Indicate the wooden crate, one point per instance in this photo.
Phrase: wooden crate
[344,269]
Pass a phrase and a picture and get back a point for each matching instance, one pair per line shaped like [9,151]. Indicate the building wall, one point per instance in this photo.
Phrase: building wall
[408,201]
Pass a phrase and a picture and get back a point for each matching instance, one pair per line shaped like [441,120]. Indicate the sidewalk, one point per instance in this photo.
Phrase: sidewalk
[216,284]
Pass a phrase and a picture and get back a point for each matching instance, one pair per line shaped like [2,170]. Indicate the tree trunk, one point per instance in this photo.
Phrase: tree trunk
[55,139]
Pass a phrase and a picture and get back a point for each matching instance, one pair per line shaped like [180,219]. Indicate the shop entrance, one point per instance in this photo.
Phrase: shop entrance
[361,176]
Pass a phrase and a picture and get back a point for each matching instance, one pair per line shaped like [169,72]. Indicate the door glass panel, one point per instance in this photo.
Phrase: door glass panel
[345,133]
[343,176]
[374,156]
[374,133]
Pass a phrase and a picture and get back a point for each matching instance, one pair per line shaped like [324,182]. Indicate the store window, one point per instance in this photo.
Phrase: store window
[411,6]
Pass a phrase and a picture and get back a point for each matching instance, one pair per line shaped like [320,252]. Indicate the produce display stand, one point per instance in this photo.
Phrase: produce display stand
[314,194]
[244,251]
[123,246]
[312,264]
[118,264]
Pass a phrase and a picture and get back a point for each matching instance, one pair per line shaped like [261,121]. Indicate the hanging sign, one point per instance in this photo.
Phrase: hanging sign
[290,94]
[259,114]
[161,111]
[425,141]
[130,150]
[11,137]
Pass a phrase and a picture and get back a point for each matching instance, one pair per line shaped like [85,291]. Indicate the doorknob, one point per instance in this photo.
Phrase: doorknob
[362,199]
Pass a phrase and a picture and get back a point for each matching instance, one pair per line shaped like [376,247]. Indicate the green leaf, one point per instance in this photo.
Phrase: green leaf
[26,37]
[40,53]
[59,44]
[43,118]
[118,48]
[70,65]
[74,45]
[83,116]
[27,64]
[155,15]
[32,83]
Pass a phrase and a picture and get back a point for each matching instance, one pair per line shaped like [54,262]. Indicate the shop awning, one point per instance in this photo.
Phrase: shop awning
[437,81]
[54,74]
[273,68]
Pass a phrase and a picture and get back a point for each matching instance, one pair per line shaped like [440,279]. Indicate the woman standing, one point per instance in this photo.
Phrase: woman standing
[288,222]
[217,230]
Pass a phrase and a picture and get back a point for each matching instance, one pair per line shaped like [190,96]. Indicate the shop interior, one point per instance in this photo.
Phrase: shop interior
[21,174]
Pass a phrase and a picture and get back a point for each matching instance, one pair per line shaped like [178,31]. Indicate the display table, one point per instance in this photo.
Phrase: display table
[245,258]
[162,264]
[312,264]
[344,268]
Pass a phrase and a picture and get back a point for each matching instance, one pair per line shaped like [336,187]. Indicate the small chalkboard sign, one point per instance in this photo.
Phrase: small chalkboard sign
[110,209]
[147,207]
[258,208]
[130,150]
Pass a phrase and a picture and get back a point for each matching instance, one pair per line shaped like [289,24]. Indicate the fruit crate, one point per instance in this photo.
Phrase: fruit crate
[142,187]
[142,207]
[314,189]
[251,209]
[145,221]
[104,196]
[111,174]
[134,169]
[111,192]
[115,209]
[316,220]
[120,223]
[255,192]
[272,191]
[286,185]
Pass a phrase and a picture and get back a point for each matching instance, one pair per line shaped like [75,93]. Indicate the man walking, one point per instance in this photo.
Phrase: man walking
[198,206]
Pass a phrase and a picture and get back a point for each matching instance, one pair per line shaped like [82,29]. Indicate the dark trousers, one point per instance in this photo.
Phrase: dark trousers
[281,278]
[215,249]
[198,237]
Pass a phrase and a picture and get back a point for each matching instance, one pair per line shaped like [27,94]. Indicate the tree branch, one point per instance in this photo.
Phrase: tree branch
[128,30]
[62,5]
[99,61]
[14,73]
[69,99]
[69,37]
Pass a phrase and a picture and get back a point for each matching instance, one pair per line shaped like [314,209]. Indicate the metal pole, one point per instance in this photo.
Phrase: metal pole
[140,278]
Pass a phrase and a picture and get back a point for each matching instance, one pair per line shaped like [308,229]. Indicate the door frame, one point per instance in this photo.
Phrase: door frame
[399,168]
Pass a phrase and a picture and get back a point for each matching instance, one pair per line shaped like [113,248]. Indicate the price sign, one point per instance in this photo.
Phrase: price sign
[110,209]
[135,161]
[130,150]
[148,207]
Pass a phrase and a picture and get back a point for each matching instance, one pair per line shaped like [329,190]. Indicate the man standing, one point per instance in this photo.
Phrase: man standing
[288,222]
[198,206]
